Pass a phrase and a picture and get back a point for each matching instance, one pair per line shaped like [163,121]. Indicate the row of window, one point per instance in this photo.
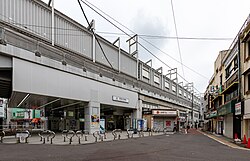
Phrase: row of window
[146,75]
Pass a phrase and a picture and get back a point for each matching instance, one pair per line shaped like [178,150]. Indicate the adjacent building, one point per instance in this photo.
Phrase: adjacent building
[227,94]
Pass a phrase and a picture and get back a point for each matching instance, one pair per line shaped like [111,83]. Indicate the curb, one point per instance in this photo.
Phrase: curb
[231,145]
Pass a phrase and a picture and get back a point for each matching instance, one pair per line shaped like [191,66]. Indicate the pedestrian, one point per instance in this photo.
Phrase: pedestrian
[9,125]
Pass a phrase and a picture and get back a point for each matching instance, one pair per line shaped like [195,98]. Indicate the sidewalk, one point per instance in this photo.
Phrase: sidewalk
[59,139]
[224,140]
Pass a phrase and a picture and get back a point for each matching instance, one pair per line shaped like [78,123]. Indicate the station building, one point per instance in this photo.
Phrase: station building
[71,82]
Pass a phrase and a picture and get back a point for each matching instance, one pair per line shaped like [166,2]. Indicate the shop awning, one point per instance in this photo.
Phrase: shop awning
[227,108]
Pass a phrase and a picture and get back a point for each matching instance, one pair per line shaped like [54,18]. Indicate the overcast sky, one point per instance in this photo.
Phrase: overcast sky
[194,18]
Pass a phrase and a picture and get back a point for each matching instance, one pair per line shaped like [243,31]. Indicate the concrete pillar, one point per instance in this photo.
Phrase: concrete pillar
[137,114]
[92,117]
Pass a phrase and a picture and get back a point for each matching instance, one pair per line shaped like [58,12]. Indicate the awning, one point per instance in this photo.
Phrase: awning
[35,120]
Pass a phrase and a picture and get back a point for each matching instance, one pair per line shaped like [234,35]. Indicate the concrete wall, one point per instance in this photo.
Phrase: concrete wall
[34,78]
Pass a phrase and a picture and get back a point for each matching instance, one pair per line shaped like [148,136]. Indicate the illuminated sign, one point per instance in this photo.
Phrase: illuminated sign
[164,112]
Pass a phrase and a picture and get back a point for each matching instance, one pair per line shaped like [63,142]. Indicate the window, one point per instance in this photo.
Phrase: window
[145,73]
[174,88]
[180,92]
[235,63]
[221,79]
[248,82]
[227,72]
[166,84]
[185,94]
[248,49]
[156,79]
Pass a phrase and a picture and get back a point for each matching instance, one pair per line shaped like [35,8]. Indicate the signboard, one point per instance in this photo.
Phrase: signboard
[102,126]
[1,108]
[18,113]
[238,108]
[120,99]
[164,113]
[1,111]
[168,123]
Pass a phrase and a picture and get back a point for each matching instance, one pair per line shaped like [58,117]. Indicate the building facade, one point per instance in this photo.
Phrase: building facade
[71,82]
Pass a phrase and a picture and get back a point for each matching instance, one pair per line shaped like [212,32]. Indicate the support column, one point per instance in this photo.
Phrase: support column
[137,114]
[92,117]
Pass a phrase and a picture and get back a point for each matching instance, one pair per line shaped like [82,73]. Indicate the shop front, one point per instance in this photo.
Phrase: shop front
[246,118]
[212,120]
[162,119]
[229,120]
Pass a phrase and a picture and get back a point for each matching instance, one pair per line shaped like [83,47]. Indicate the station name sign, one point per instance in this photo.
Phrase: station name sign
[120,99]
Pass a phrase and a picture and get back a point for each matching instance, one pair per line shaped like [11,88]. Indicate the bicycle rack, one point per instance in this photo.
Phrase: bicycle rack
[50,135]
[97,134]
[79,134]
[2,134]
[114,133]
[22,135]
[141,133]
[64,133]
[130,133]
[85,133]
[70,135]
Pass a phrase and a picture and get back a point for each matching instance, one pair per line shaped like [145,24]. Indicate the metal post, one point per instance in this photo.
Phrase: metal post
[119,55]
[53,24]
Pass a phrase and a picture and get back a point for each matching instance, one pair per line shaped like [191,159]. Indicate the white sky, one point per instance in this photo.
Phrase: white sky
[194,18]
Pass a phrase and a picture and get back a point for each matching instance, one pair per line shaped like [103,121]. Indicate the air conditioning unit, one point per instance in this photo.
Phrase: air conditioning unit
[211,89]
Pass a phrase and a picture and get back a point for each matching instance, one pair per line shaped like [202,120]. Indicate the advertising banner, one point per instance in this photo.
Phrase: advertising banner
[238,108]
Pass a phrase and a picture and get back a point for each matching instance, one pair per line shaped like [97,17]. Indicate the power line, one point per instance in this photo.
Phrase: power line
[170,37]
[178,43]
[141,38]
[121,34]
[95,35]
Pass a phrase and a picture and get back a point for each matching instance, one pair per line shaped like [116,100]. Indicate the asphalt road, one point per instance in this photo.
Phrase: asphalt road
[178,147]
